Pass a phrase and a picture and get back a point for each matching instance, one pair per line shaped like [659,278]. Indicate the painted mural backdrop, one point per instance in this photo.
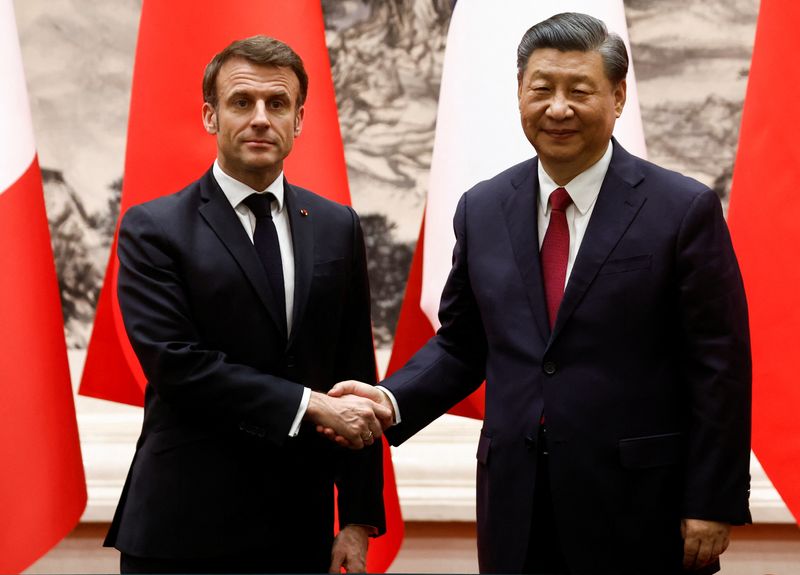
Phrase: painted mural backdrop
[691,60]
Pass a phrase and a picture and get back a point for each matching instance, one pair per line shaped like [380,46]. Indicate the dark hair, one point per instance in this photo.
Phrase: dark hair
[574,31]
[261,50]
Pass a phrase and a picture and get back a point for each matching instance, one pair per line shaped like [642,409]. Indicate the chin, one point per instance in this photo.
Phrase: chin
[558,155]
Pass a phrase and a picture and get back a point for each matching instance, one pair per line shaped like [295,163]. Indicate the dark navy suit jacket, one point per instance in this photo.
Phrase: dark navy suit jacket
[645,378]
[215,472]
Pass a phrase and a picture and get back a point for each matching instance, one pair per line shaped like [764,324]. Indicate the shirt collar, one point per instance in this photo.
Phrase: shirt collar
[583,188]
[236,191]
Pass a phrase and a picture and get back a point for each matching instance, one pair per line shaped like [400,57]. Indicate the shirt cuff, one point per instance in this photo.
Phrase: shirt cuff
[390,395]
[301,411]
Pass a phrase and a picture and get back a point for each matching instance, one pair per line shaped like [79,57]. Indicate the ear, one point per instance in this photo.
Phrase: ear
[620,94]
[298,120]
[209,118]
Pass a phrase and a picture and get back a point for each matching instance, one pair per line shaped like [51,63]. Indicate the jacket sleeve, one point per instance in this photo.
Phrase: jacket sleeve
[201,383]
[716,365]
[359,478]
[453,362]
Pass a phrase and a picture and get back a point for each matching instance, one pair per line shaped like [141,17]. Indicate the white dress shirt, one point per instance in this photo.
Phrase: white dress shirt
[236,192]
[583,189]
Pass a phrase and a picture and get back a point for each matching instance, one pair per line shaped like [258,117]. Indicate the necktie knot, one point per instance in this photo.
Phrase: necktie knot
[259,204]
[560,200]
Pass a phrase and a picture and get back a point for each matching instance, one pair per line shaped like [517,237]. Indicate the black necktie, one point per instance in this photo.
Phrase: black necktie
[265,239]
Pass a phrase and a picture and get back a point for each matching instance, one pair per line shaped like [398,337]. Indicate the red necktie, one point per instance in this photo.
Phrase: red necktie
[555,252]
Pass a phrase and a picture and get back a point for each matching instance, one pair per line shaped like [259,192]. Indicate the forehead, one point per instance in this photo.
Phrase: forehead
[239,74]
[549,62]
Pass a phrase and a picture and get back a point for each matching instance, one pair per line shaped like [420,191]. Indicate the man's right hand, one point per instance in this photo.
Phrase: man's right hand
[358,421]
[353,389]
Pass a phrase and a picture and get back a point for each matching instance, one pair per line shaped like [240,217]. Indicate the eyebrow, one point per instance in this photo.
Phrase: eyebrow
[550,74]
[239,92]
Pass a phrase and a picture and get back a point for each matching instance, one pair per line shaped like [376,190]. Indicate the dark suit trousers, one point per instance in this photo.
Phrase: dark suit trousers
[545,555]
[307,561]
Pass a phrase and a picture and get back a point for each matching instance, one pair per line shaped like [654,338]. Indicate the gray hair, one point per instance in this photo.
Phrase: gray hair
[570,31]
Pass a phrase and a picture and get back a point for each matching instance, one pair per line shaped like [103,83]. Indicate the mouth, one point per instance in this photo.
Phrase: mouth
[256,143]
[560,134]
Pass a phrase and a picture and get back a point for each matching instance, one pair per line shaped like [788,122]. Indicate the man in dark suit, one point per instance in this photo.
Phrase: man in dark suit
[600,298]
[245,299]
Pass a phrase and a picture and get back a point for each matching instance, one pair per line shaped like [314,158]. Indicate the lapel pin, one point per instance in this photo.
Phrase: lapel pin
[303,212]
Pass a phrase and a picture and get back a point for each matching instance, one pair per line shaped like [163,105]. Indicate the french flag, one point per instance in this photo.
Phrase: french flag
[42,485]
[478,135]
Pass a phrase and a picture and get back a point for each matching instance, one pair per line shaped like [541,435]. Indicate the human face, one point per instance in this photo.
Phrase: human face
[256,120]
[568,108]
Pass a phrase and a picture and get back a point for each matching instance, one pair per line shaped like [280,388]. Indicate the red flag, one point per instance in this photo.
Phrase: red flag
[42,485]
[414,330]
[464,154]
[167,144]
[763,218]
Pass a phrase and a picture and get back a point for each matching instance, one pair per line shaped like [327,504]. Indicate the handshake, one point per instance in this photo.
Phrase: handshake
[353,414]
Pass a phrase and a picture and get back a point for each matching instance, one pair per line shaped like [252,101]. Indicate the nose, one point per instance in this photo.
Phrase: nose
[559,107]
[260,117]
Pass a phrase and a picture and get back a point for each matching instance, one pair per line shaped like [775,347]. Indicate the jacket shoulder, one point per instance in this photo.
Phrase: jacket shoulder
[660,181]
[169,205]
[312,202]
[504,182]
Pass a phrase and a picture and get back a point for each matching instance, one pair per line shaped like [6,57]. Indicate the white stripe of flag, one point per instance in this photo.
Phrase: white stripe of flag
[17,147]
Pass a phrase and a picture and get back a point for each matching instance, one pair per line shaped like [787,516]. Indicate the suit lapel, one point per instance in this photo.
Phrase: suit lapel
[220,216]
[616,207]
[519,207]
[302,227]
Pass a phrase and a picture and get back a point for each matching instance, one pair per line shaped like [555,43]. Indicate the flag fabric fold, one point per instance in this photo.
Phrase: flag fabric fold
[478,134]
[763,219]
[167,148]
[42,484]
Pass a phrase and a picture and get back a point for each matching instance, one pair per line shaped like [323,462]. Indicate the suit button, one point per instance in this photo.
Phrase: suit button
[549,367]
[530,443]
[290,361]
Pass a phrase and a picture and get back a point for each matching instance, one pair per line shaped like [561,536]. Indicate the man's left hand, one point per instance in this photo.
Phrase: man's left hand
[350,550]
[703,541]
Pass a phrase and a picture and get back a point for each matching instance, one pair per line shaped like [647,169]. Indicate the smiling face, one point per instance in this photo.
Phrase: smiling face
[568,108]
[255,121]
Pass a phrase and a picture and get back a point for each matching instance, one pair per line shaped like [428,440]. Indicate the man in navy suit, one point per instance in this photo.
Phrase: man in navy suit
[600,298]
[245,299]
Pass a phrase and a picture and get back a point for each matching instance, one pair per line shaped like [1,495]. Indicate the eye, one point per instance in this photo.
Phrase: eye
[540,92]
[241,103]
[276,104]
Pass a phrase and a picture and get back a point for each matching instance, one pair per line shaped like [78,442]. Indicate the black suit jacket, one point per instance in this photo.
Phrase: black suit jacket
[215,472]
[645,378]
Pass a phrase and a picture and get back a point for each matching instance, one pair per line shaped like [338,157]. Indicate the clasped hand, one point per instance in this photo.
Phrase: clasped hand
[362,397]
[350,418]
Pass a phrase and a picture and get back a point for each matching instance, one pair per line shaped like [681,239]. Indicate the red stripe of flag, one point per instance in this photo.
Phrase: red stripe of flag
[168,148]
[763,218]
[42,485]
[414,330]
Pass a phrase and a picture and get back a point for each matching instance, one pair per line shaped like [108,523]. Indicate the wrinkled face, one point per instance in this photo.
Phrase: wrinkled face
[568,108]
[256,120]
